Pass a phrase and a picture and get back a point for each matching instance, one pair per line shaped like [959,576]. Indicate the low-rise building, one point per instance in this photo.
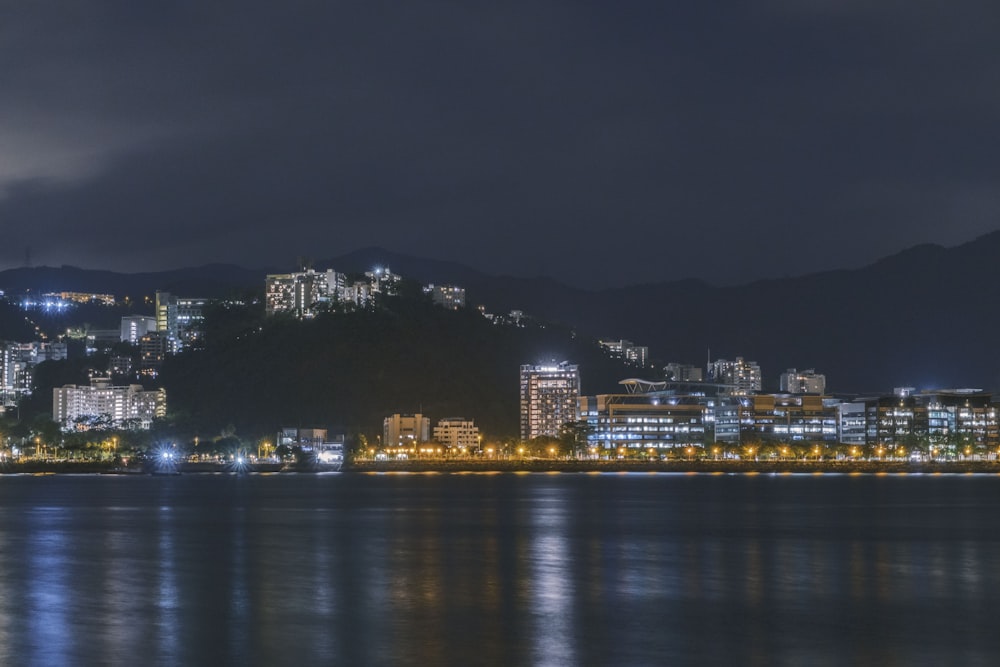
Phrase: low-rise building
[457,433]
[788,418]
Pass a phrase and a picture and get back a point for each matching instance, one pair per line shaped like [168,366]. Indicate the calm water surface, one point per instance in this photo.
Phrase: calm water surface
[565,569]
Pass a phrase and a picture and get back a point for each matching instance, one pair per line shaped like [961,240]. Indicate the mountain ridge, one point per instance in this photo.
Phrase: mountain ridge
[924,316]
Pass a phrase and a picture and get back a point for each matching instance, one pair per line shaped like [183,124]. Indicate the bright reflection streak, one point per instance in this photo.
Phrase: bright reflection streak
[167,600]
[50,591]
[552,608]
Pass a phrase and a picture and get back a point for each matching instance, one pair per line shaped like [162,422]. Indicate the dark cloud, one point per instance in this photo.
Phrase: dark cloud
[601,143]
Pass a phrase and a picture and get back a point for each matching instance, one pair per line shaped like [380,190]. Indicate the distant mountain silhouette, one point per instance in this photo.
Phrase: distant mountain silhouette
[926,316]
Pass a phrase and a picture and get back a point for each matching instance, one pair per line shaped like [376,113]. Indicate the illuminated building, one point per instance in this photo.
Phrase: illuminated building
[457,433]
[744,376]
[626,350]
[549,398]
[383,281]
[643,421]
[307,293]
[404,430]
[135,327]
[17,363]
[788,418]
[101,405]
[326,448]
[851,423]
[947,419]
[302,294]
[446,296]
[805,382]
[180,318]
[84,297]
[661,415]
[153,349]
[101,340]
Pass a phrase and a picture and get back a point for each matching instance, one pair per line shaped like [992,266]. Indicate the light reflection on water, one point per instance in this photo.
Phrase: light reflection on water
[505,570]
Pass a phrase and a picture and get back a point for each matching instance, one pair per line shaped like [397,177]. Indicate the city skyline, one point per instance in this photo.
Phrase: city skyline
[656,142]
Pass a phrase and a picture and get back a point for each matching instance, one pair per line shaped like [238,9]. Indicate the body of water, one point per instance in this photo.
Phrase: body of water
[505,569]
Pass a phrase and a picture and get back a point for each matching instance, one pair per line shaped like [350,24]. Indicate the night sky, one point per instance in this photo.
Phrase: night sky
[601,143]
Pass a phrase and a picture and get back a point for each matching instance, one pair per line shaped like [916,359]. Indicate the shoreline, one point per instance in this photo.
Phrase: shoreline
[523,466]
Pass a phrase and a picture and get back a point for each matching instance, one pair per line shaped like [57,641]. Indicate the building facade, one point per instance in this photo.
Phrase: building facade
[949,421]
[788,418]
[683,372]
[457,433]
[180,319]
[135,327]
[549,398]
[804,382]
[401,430]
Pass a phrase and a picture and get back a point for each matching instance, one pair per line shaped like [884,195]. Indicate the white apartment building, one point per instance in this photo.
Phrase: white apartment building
[81,408]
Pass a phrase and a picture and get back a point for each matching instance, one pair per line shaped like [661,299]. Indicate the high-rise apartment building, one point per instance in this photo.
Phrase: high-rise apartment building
[549,398]
[744,376]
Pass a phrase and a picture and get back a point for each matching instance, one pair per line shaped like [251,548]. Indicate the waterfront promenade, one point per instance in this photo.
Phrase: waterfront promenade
[444,465]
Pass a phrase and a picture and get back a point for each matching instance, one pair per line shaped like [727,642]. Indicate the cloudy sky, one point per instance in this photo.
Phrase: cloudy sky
[601,143]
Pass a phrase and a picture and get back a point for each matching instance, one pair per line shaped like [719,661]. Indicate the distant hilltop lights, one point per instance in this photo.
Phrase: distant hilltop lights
[305,294]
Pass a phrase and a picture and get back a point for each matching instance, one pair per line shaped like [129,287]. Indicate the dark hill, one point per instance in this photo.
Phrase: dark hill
[350,371]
